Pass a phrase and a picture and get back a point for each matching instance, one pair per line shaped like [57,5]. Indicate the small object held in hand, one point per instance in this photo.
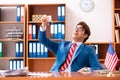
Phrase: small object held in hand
[49,20]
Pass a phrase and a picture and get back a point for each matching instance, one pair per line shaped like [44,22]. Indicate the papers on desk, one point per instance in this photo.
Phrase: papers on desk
[40,74]
[19,72]
[104,72]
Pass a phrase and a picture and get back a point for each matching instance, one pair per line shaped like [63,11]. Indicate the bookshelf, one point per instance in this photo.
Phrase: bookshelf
[116,27]
[40,63]
[101,49]
[8,21]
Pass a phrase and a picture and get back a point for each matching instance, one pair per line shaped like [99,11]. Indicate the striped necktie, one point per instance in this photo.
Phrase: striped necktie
[69,57]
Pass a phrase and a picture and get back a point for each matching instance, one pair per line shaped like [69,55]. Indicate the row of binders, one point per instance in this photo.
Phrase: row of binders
[16,64]
[57,31]
[20,14]
[19,49]
[32,31]
[61,13]
[37,50]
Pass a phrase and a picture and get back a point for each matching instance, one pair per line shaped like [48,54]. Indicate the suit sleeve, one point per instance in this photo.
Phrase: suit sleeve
[51,45]
[93,60]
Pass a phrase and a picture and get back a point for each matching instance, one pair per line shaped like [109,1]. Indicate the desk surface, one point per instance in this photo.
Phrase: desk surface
[66,76]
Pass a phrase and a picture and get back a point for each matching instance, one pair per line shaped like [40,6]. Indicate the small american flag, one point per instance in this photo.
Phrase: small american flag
[111,59]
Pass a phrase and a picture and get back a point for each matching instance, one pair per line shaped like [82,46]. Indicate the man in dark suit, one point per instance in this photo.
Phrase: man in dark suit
[84,55]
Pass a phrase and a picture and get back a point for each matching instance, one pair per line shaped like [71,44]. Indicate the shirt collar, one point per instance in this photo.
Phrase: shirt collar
[78,43]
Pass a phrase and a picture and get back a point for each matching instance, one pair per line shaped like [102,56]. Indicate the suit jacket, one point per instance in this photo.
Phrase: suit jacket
[84,57]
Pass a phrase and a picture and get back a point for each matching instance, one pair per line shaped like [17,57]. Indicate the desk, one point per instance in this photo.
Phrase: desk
[66,76]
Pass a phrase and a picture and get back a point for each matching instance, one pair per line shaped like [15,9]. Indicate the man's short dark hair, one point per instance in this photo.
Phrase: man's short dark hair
[86,28]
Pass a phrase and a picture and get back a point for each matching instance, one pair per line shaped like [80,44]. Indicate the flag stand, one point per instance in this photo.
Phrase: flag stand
[110,74]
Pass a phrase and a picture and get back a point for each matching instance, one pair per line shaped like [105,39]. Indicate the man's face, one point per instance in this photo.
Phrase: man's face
[79,34]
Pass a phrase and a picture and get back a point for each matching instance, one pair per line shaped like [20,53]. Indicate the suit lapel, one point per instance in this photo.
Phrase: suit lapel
[78,52]
[67,47]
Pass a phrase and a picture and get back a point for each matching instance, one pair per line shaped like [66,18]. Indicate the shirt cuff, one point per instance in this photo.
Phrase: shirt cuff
[42,28]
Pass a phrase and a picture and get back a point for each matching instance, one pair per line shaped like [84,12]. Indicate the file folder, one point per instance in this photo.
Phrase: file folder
[59,31]
[42,50]
[21,50]
[34,32]
[18,12]
[63,31]
[11,64]
[30,49]
[17,46]
[55,31]
[51,30]
[63,13]
[38,50]
[0,49]
[59,13]
[46,52]
[30,31]
[18,64]
[34,49]
[22,14]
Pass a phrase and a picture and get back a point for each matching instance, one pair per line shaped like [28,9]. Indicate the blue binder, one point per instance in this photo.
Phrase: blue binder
[30,50]
[59,31]
[17,47]
[34,49]
[34,31]
[55,31]
[21,49]
[38,50]
[18,12]
[63,13]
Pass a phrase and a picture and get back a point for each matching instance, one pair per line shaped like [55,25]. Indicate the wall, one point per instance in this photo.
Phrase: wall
[99,19]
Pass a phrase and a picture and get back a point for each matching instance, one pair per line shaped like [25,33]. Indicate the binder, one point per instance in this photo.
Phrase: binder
[46,52]
[17,46]
[18,12]
[1,49]
[34,32]
[51,30]
[42,50]
[18,64]
[30,31]
[59,13]
[22,14]
[63,13]
[10,64]
[55,31]
[34,49]
[59,31]
[14,65]
[30,49]
[38,50]
[95,46]
[21,49]
[21,64]
[63,31]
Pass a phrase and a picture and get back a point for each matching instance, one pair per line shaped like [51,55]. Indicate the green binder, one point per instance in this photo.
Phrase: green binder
[0,49]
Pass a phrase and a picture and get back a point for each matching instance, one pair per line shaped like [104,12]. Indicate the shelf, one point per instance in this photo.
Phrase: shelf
[49,58]
[8,58]
[10,22]
[11,40]
[50,39]
[11,47]
[32,22]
